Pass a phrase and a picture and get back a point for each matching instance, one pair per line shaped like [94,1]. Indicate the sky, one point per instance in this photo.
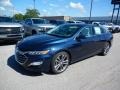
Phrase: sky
[75,8]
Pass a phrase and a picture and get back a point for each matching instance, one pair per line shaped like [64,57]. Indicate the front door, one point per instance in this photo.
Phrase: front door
[87,46]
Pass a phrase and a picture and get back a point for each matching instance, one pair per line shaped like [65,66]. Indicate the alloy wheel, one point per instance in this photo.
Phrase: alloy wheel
[106,49]
[61,62]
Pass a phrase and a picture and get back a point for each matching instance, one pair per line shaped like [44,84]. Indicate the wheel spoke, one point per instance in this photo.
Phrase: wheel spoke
[57,61]
[61,62]
[65,62]
[63,57]
[61,67]
[106,49]
[57,66]
[58,58]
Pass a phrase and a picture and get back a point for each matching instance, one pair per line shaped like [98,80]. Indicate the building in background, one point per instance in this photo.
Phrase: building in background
[85,19]
[66,18]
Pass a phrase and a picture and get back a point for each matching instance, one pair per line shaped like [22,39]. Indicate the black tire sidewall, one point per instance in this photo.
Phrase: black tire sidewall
[34,32]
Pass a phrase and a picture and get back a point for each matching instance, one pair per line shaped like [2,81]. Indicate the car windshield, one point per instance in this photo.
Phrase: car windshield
[39,21]
[6,19]
[61,22]
[64,30]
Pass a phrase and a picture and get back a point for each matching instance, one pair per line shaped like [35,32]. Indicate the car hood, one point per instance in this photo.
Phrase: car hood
[38,42]
[6,24]
[44,25]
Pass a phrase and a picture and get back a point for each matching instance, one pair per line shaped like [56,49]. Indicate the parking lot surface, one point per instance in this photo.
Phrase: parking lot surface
[95,73]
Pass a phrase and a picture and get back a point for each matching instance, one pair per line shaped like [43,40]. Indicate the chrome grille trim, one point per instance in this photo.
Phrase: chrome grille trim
[19,58]
[10,30]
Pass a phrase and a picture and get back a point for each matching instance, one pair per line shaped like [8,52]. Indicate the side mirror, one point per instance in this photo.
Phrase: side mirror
[78,38]
[29,23]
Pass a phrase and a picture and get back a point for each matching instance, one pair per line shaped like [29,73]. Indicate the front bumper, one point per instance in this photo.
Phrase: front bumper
[30,62]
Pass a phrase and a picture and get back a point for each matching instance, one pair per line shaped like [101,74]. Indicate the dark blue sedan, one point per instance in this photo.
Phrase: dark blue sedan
[58,48]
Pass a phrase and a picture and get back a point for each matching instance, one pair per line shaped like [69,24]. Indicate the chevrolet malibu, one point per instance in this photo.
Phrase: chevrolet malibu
[56,49]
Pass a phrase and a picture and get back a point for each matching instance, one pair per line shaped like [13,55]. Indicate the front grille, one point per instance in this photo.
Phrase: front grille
[9,30]
[21,58]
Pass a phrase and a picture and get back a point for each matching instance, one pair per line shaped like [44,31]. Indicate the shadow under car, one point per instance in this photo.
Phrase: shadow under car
[15,66]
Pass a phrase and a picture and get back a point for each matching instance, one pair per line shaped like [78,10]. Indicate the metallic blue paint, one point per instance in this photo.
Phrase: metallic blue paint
[77,49]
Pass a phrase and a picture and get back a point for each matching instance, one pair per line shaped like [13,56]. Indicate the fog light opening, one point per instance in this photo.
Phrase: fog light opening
[36,63]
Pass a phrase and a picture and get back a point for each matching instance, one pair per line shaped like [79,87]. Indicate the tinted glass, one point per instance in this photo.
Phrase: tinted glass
[53,22]
[103,30]
[87,31]
[70,22]
[28,21]
[61,22]
[6,19]
[65,30]
[38,21]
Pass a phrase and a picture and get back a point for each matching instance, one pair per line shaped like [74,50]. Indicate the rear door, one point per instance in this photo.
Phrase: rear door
[100,34]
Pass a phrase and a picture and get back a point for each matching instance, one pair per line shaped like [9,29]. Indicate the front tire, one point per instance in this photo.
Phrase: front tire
[60,62]
[34,32]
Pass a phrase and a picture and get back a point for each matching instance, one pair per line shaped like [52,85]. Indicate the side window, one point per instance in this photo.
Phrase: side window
[87,31]
[28,21]
[103,30]
[97,30]
[25,21]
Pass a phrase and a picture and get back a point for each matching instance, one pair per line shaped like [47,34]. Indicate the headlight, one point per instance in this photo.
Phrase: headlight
[38,52]
[22,29]
[40,29]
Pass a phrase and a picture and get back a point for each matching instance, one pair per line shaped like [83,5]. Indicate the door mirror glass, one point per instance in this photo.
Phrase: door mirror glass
[81,36]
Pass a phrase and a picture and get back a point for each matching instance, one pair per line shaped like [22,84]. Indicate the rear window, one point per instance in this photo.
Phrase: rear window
[99,30]
[103,30]
[6,19]
[38,21]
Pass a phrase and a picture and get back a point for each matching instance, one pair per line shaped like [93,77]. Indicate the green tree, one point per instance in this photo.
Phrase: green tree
[31,13]
[18,16]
